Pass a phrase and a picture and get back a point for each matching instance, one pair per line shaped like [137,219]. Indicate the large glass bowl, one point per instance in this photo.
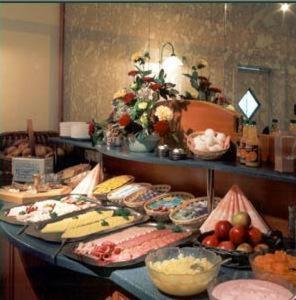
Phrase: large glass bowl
[181,280]
[273,270]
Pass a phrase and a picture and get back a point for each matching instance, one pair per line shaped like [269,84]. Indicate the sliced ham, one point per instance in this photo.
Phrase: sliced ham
[233,202]
[87,185]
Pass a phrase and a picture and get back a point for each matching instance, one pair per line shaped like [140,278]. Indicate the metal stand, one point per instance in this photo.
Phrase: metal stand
[210,189]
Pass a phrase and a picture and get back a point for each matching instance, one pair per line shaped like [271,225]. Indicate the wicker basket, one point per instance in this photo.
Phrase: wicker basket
[119,201]
[148,194]
[196,222]
[164,215]
[211,155]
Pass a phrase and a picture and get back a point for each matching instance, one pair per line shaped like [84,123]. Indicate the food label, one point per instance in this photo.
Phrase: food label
[252,155]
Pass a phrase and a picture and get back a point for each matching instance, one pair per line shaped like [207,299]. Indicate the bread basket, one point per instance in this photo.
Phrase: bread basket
[164,215]
[138,199]
[206,155]
[196,222]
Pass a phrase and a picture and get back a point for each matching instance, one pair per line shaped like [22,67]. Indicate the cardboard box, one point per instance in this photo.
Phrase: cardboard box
[23,168]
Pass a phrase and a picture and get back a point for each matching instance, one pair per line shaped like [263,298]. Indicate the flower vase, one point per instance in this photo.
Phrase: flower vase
[143,144]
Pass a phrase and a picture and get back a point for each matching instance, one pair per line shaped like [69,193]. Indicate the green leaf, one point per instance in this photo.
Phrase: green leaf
[22,212]
[53,215]
[75,217]
[177,228]
[160,226]
[187,75]
[194,75]
[122,212]
[104,223]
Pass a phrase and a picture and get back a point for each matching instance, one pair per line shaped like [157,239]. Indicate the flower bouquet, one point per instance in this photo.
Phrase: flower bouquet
[137,109]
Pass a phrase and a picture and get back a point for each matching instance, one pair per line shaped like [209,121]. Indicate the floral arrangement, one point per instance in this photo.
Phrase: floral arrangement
[136,108]
[205,90]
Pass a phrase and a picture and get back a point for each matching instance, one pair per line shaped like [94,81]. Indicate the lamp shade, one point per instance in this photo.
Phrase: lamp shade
[172,62]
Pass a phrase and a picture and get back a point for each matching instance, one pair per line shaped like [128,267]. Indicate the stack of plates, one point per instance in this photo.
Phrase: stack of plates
[74,130]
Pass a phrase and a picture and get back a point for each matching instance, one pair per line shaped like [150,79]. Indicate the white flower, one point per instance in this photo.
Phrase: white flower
[143,105]
[119,94]
[164,113]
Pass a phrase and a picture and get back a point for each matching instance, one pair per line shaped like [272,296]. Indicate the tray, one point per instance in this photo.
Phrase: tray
[68,250]
[13,220]
[240,260]
[35,229]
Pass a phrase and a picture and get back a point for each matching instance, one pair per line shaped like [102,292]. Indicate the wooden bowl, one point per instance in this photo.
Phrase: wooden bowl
[134,201]
[206,155]
[164,215]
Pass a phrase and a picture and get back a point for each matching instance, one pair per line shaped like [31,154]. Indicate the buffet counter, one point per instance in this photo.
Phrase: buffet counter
[134,280]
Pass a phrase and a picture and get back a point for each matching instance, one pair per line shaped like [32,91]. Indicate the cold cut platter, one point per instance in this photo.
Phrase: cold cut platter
[127,247]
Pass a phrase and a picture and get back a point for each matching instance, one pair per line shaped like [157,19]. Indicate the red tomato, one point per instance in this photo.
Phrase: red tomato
[210,241]
[238,234]
[255,236]
[222,229]
[226,245]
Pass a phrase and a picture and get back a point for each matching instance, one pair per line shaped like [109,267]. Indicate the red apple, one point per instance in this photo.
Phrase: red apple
[222,229]
[238,234]
[210,241]
[226,245]
[255,236]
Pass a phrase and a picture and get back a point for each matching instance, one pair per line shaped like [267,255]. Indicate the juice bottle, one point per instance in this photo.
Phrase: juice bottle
[252,156]
[242,144]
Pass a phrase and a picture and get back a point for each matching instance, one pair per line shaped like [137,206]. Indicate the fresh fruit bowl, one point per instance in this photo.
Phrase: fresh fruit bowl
[239,259]
[182,271]
[275,266]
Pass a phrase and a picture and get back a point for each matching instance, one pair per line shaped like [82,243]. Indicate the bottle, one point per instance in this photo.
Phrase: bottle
[292,126]
[239,135]
[252,157]
[242,145]
[274,126]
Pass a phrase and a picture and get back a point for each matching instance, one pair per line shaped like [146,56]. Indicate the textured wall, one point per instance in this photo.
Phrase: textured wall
[100,39]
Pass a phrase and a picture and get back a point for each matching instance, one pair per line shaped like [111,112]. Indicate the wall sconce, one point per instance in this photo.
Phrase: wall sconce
[171,61]
[285,7]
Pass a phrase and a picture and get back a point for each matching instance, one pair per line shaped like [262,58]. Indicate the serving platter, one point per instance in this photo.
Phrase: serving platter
[35,229]
[12,220]
[68,250]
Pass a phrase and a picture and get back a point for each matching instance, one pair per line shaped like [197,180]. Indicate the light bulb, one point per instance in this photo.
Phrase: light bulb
[172,62]
[285,7]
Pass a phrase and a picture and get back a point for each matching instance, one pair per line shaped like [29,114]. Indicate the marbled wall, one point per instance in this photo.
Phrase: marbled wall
[100,38]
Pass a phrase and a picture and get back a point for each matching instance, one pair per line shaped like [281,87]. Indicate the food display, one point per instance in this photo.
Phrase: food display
[277,266]
[46,210]
[233,203]
[122,192]
[73,171]
[246,289]
[193,212]
[86,186]
[101,220]
[127,245]
[138,199]
[161,206]
[111,184]
[208,144]
[182,272]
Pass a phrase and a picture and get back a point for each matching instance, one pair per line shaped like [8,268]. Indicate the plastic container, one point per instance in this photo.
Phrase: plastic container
[285,152]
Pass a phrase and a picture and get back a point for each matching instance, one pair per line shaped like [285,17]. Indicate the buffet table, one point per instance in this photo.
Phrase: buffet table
[134,280]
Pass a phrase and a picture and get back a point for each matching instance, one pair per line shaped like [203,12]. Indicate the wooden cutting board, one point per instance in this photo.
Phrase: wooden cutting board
[26,197]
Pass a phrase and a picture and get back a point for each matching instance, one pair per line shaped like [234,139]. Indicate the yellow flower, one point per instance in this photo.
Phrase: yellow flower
[164,113]
[143,105]
[136,56]
[119,94]
[202,64]
[144,120]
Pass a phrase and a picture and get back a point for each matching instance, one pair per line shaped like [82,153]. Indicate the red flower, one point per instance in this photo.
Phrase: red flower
[148,79]
[162,127]
[155,86]
[203,78]
[215,89]
[133,73]
[124,120]
[91,128]
[128,98]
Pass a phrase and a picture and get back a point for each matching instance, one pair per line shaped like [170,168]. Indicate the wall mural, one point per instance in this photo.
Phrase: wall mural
[100,38]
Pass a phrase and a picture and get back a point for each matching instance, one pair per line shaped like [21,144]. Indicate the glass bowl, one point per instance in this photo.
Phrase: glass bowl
[171,270]
[247,288]
[281,270]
